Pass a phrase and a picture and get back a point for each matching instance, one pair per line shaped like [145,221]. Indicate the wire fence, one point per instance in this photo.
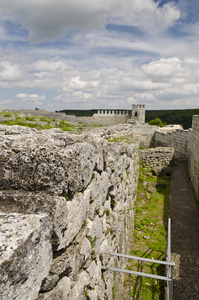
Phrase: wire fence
[168,264]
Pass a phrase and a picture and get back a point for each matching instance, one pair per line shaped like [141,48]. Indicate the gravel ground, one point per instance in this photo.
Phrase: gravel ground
[184,215]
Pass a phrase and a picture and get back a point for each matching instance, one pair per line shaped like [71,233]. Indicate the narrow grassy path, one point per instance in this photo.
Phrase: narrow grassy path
[150,233]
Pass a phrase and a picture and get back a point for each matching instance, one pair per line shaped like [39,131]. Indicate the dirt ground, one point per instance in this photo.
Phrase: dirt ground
[184,215]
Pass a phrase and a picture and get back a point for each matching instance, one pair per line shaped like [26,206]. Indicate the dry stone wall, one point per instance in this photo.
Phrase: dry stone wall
[97,119]
[41,113]
[64,200]
[160,156]
[186,145]
[177,139]
[145,134]
[193,154]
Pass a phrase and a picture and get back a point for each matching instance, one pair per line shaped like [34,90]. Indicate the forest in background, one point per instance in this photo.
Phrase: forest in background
[177,116]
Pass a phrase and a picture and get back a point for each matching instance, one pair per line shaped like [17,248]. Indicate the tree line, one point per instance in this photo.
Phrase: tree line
[178,116]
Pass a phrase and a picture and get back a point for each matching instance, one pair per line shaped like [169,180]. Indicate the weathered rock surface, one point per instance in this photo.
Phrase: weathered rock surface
[25,254]
[161,171]
[61,291]
[60,173]
[86,187]
[29,202]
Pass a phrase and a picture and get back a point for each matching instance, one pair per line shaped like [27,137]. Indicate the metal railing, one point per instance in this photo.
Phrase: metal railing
[169,264]
[169,267]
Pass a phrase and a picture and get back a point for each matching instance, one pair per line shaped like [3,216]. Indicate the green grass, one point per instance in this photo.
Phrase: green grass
[26,122]
[150,234]
[65,126]
[45,119]
[22,123]
[30,118]
[107,212]
[7,115]
[85,223]
[125,139]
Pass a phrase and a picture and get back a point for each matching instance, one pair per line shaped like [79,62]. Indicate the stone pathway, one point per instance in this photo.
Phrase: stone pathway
[184,236]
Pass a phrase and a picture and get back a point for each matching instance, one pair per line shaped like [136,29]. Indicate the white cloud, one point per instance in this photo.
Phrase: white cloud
[77,83]
[168,15]
[30,97]
[9,72]
[163,68]
[49,19]
[131,100]
[83,96]
[94,66]
[160,82]
[157,83]
[51,66]
[28,101]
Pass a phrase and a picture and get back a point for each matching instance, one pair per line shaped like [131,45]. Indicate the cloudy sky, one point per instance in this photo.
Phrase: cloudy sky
[74,54]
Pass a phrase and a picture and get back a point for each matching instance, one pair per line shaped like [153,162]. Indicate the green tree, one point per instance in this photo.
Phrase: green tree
[157,122]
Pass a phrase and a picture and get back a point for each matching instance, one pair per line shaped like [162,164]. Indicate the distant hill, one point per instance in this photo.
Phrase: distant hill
[177,116]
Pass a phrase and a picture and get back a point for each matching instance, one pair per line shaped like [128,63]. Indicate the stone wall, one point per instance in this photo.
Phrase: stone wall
[159,156]
[193,154]
[41,113]
[100,119]
[96,119]
[178,139]
[64,200]
[145,133]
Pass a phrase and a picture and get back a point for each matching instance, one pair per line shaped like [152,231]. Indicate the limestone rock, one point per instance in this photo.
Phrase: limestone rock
[49,283]
[95,234]
[86,248]
[161,171]
[25,255]
[64,263]
[70,261]
[60,292]
[78,289]
[29,202]
[157,157]
[16,129]
[78,211]
[60,172]
[85,185]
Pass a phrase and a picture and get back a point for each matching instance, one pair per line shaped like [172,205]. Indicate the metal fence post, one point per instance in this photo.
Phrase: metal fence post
[171,284]
[139,287]
[169,287]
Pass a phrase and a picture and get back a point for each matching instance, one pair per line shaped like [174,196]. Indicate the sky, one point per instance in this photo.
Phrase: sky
[97,54]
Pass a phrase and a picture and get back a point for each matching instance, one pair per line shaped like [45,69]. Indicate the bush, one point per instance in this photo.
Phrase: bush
[157,122]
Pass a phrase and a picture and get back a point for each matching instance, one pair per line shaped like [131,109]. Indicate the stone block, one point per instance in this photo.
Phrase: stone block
[26,254]
[61,291]
[42,169]
[78,212]
[78,289]
[29,202]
